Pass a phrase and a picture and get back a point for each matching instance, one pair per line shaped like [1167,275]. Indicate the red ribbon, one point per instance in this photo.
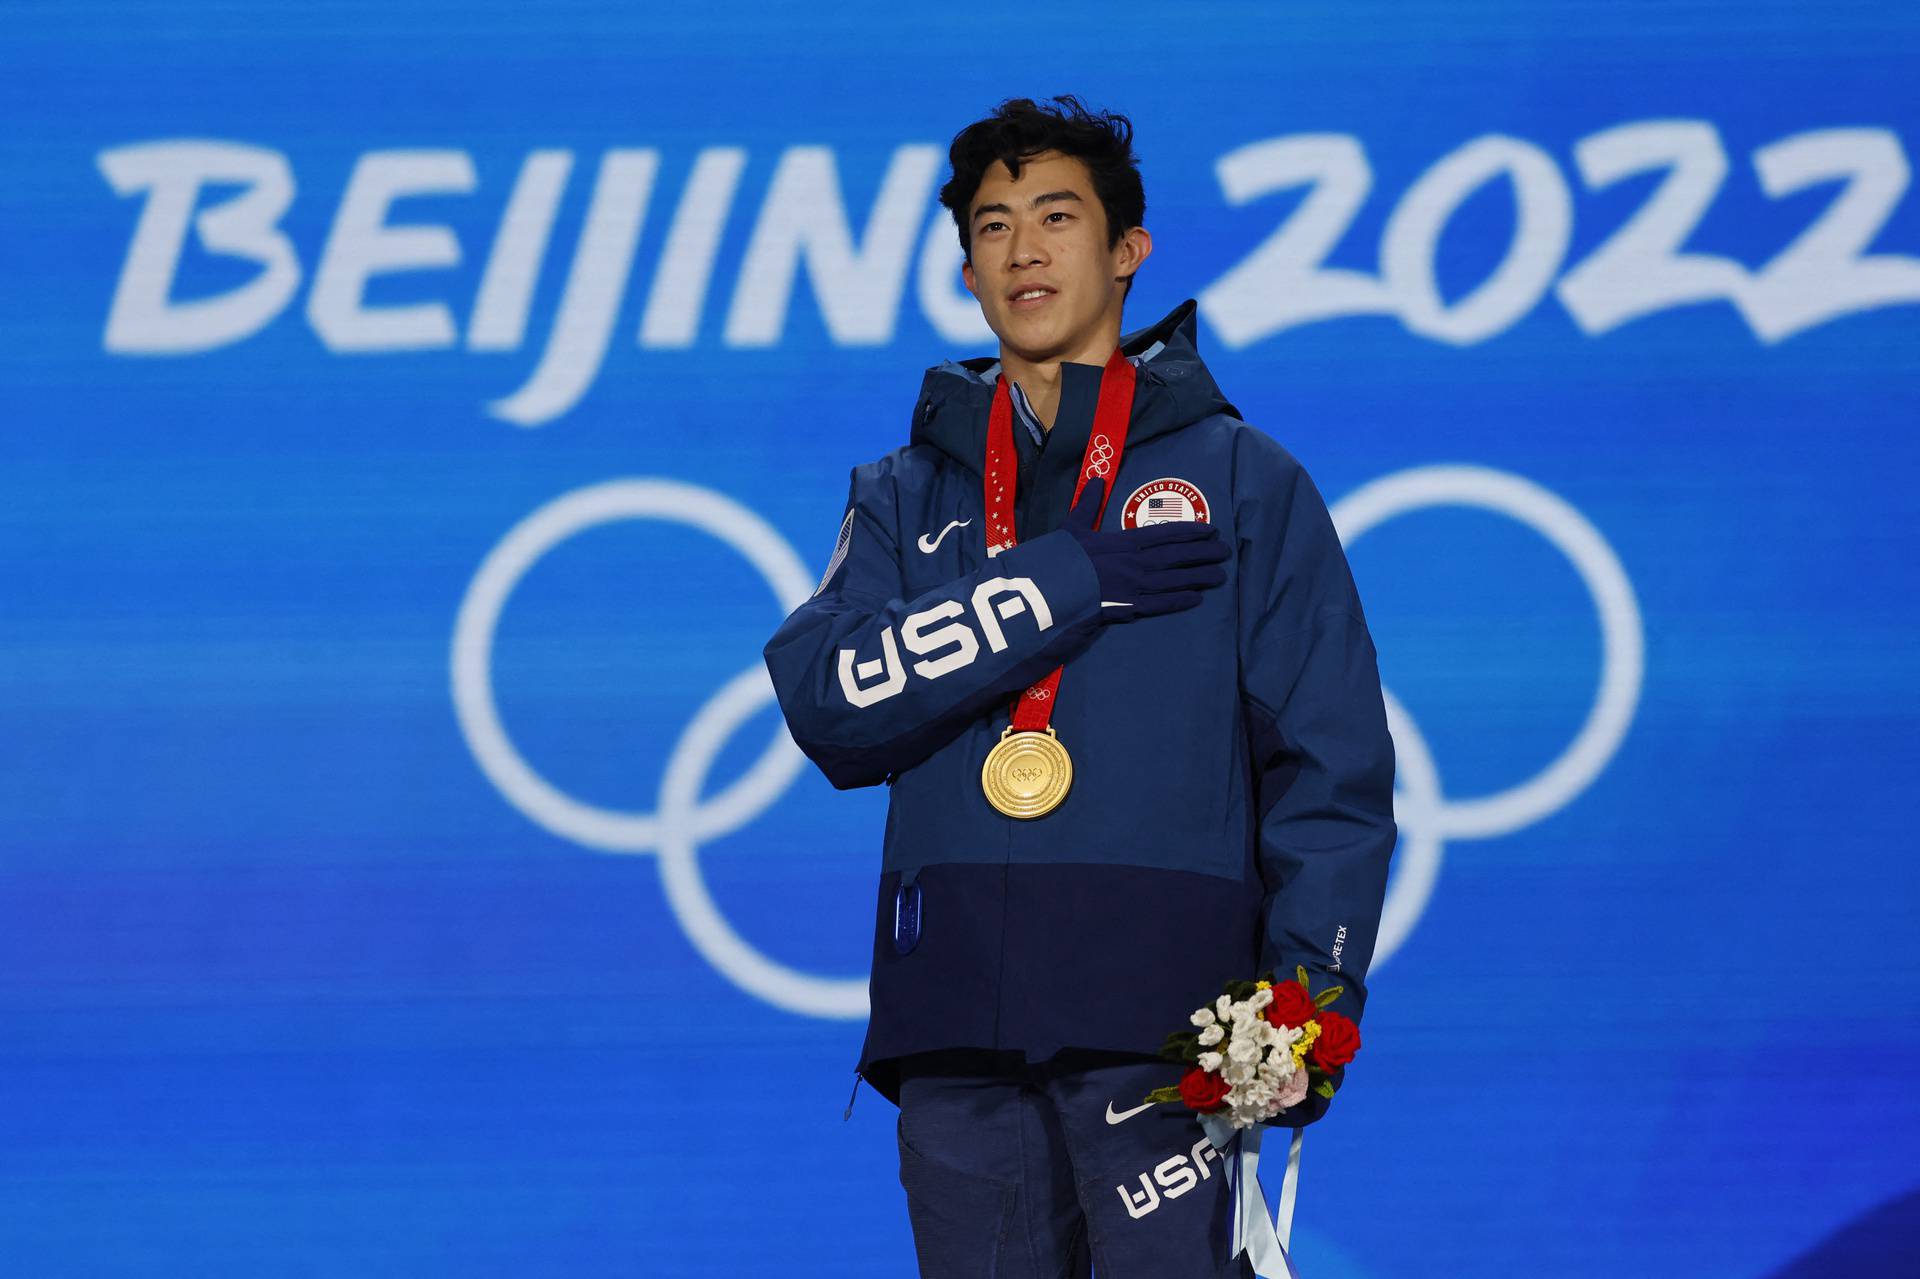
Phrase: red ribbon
[1105,443]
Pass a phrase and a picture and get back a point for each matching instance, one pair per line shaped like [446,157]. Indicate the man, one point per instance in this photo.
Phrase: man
[1136,746]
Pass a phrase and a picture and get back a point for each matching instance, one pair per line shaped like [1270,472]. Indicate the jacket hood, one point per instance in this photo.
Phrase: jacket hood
[1174,390]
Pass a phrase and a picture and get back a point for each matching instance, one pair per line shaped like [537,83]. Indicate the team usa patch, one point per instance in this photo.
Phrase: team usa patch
[1163,501]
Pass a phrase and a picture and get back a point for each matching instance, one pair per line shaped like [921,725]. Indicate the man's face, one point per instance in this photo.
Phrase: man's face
[1041,267]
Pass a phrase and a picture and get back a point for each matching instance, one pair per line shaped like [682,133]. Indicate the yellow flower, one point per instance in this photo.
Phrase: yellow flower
[1263,985]
[1308,1033]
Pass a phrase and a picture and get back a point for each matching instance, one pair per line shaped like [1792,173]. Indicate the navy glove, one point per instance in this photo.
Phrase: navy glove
[1158,568]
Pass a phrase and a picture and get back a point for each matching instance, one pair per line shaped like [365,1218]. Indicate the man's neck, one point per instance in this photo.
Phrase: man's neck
[1040,379]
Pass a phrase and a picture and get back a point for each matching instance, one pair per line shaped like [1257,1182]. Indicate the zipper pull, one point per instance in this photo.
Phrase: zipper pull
[851,1097]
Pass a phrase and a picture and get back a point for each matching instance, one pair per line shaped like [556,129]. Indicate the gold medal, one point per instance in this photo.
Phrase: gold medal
[1027,773]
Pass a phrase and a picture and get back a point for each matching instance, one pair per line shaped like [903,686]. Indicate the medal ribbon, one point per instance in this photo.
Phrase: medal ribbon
[1264,1239]
[1105,443]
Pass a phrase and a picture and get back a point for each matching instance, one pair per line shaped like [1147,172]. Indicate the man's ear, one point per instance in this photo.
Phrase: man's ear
[966,276]
[1135,247]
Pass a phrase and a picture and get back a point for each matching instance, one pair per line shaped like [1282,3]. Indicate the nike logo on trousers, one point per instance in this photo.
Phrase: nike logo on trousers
[1125,1115]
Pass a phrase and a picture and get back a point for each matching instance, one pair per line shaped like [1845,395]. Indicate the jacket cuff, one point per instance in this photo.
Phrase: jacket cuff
[1062,570]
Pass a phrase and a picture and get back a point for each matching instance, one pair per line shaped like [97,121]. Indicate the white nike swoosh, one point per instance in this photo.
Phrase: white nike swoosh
[927,546]
[1125,1115]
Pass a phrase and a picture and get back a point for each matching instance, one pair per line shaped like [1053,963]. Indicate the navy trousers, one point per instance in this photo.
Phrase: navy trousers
[1055,1170]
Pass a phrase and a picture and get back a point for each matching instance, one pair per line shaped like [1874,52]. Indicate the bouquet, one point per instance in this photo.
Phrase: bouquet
[1258,1049]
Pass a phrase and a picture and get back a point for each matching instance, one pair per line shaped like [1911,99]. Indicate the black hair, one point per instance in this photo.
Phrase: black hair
[1021,128]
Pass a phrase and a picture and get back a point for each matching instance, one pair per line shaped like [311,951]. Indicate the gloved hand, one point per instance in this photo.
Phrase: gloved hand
[1303,1112]
[1158,568]
[1311,1107]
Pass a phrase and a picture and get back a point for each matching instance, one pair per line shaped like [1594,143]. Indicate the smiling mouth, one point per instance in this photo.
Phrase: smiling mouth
[1028,299]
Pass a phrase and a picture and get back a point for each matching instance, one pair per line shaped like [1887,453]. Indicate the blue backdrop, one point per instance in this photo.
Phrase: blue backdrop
[417,417]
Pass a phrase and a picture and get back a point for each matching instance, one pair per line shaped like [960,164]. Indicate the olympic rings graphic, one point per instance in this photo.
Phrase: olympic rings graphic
[1423,814]
[1100,455]
[682,820]
[675,831]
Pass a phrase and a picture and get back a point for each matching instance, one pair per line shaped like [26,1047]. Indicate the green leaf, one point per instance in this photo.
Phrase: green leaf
[1324,1088]
[1181,1046]
[1300,975]
[1327,996]
[1163,1094]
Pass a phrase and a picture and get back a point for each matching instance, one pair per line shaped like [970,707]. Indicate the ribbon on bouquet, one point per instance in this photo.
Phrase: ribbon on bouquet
[1263,1238]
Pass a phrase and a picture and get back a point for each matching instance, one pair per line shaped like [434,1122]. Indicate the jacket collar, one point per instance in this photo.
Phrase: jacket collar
[1175,390]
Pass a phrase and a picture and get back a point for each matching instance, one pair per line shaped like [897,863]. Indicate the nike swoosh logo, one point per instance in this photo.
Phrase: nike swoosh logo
[927,546]
[1125,1115]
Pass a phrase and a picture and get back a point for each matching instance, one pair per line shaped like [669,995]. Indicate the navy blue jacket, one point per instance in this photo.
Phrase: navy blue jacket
[1232,801]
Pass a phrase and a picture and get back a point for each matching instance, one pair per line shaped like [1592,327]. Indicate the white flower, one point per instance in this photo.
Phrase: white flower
[1248,1107]
[1203,1017]
[1243,1048]
[1212,1035]
[1224,1007]
[1209,1061]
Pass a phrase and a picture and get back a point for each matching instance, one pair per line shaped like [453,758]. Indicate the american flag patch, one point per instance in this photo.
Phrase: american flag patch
[1164,501]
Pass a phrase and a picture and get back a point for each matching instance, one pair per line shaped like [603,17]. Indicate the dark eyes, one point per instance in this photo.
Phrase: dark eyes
[1057,213]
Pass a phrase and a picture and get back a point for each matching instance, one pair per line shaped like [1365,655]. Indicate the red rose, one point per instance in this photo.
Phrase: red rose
[1203,1090]
[1339,1041]
[1291,1005]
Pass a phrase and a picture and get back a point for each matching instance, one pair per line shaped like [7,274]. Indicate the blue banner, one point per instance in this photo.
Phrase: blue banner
[418,416]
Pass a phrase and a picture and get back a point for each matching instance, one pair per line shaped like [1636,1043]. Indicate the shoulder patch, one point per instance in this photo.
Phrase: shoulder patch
[840,545]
